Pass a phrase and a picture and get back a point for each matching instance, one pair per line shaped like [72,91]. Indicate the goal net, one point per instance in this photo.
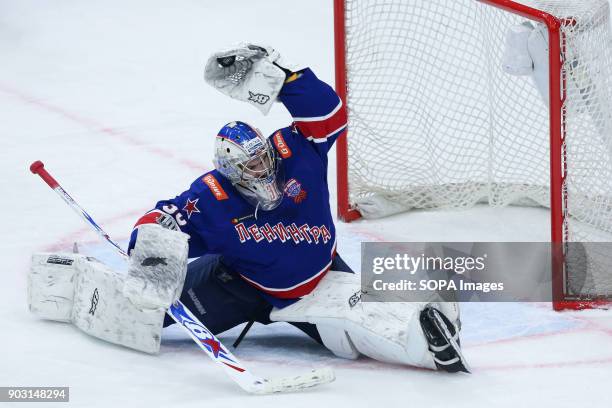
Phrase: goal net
[436,122]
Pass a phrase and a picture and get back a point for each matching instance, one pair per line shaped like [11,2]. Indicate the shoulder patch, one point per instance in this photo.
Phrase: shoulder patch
[215,187]
[281,145]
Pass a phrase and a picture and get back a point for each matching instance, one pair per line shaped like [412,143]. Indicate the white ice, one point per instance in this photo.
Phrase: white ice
[110,96]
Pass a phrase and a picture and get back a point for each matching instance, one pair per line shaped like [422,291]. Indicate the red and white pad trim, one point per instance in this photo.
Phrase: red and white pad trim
[318,128]
[298,290]
[148,218]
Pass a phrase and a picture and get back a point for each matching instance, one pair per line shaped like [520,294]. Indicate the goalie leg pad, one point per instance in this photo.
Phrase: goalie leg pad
[337,340]
[51,286]
[389,332]
[102,310]
[75,288]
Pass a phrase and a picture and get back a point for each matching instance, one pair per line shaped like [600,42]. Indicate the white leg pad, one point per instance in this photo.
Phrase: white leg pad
[89,294]
[389,332]
[51,286]
[337,340]
[102,310]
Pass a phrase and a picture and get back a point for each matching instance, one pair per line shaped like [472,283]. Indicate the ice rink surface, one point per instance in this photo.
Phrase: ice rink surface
[110,96]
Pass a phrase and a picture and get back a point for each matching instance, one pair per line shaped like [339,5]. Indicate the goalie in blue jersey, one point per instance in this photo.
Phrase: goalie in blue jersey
[262,233]
[261,224]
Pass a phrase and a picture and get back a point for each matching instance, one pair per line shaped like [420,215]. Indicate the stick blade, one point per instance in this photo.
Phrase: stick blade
[314,378]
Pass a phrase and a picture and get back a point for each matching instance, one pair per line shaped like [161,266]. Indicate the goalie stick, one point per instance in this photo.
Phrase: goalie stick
[204,338]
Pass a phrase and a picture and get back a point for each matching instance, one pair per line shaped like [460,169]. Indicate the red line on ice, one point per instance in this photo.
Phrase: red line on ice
[66,242]
[99,127]
[564,364]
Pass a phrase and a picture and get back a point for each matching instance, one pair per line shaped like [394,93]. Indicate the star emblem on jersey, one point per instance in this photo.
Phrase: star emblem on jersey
[191,207]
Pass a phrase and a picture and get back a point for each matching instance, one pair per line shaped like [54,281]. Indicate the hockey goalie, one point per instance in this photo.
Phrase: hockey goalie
[261,236]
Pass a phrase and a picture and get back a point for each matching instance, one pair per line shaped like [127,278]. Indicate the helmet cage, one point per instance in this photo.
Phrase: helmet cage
[261,165]
[252,165]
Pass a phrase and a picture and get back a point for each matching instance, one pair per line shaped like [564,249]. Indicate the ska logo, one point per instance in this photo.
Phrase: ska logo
[261,99]
[294,190]
[95,297]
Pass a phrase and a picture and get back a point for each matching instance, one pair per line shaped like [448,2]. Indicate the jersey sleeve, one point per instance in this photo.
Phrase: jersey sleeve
[318,112]
[174,214]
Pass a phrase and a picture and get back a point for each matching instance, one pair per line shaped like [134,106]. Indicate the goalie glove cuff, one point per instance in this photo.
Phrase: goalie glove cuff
[153,217]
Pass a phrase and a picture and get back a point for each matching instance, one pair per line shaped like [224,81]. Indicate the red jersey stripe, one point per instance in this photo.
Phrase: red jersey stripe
[297,292]
[320,129]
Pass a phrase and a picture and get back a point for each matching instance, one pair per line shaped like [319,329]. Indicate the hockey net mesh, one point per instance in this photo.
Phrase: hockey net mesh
[435,122]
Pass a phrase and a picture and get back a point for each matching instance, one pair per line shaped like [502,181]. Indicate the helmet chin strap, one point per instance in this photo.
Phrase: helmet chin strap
[256,208]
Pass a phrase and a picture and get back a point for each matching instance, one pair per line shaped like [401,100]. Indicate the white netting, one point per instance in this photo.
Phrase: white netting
[434,121]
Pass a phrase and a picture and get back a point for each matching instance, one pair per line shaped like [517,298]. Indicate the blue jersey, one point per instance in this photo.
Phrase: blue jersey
[284,252]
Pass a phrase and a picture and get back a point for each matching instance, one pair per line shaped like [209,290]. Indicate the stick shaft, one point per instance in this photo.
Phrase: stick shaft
[39,168]
[204,338]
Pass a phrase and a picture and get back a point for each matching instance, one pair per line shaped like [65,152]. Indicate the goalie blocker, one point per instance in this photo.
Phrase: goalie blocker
[123,309]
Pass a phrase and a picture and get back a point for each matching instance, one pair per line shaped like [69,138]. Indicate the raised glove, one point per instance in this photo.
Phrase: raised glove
[247,72]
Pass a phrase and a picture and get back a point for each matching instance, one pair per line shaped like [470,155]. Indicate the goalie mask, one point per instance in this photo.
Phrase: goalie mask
[246,158]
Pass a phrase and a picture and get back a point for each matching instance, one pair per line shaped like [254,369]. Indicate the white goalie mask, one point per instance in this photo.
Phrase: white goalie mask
[246,158]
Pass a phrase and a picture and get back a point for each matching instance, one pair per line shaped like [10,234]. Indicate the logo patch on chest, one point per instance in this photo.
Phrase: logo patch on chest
[293,189]
[236,220]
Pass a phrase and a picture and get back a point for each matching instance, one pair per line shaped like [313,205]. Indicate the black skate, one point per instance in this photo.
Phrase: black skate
[443,339]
